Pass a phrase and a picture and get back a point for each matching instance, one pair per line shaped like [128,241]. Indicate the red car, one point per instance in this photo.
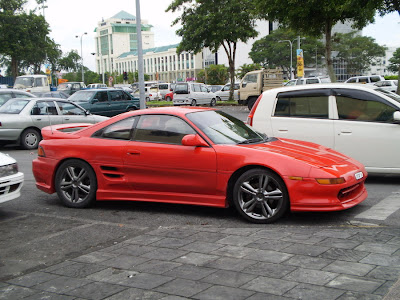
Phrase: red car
[169,96]
[195,156]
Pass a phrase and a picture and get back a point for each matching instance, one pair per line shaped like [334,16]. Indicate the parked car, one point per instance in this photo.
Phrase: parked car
[163,88]
[365,79]
[21,119]
[11,180]
[197,156]
[54,94]
[223,94]
[7,94]
[359,121]
[96,86]
[106,102]
[307,80]
[388,85]
[169,96]
[71,87]
[190,93]
[215,88]
[150,94]
[32,83]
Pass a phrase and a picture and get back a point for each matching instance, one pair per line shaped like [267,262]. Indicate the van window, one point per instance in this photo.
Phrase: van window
[250,78]
[352,80]
[312,81]
[38,81]
[303,107]
[181,88]
[163,86]
[375,78]
[363,80]
[204,89]
[196,88]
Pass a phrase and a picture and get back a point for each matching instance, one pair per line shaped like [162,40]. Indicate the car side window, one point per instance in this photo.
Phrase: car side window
[44,108]
[162,129]
[204,89]
[116,95]
[70,109]
[101,96]
[38,82]
[303,107]
[196,88]
[375,78]
[363,80]
[363,110]
[352,80]
[120,130]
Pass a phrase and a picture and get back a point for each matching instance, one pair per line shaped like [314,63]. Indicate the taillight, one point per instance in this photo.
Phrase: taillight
[253,110]
[41,152]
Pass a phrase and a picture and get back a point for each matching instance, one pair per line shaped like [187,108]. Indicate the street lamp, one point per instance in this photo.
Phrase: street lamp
[101,67]
[291,52]
[83,76]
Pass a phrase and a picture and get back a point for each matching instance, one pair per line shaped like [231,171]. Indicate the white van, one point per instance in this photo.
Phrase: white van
[164,88]
[190,93]
[32,83]
[365,79]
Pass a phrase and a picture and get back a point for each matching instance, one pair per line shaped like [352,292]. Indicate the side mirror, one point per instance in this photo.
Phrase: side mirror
[193,140]
[95,100]
[244,83]
[396,116]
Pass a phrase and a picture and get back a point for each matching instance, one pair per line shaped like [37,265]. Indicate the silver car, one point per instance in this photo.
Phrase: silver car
[21,119]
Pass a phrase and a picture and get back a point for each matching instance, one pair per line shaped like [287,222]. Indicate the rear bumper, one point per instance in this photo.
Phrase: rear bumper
[43,171]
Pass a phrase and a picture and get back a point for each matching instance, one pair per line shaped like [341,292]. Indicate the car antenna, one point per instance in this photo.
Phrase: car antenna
[48,115]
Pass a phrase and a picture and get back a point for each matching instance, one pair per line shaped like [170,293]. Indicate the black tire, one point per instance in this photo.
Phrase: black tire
[193,103]
[260,196]
[30,138]
[168,98]
[213,102]
[76,183]
[218,98]
[147,98]
[251,102]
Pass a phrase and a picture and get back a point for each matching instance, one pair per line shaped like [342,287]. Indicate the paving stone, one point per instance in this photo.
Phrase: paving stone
[270,285]
[235,240]
[173,232]
[223,293]
[15,292]
[350,268]
[385,273]
[339,243]
[32,279]
[311,276]
[137,294]
[202,247]
[183,287]
[309,250]
[79,270]
[228,278]
[344,254]
[391,231]
[241,231]
[273,270]
[126,262]
[190,272]
[356,284]
[156,266]
[210,237]
[378,248]
[164,254]
[264,296]
[268,256]
[384,288]
[358,296]
[271,234]
[308,262]
[333,233]
[394,241]
[134,250]
[112,275]
[304,239]
[310,291]
[364,237]
[49,296]
[64,264]
[172,243]
[94,257]
[265,244]
[146,281]
[62,284]
[382,260]
[230,263]
[198,259]
[234,251]
[144,239]
[96,290]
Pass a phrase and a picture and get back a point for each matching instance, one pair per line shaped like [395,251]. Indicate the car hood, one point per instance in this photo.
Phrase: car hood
[5,159]
[310,153]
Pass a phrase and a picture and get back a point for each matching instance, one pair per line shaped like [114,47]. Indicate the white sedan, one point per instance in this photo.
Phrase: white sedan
[11,180]
[388,85]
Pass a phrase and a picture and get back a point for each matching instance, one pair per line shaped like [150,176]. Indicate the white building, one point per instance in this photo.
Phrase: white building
[380,67]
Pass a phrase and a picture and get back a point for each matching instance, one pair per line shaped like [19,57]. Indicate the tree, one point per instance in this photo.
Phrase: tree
[214,24]
[359,52]
[395,65]
[214,74]
[247,68]
[316,17]
[273,50]
[70,62]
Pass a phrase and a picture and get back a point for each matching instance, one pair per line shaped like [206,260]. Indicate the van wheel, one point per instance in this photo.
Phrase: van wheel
[213,102]
[147,98]
[251,102]
[194,103]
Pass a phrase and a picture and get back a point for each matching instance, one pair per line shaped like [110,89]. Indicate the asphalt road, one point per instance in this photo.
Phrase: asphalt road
[36,230]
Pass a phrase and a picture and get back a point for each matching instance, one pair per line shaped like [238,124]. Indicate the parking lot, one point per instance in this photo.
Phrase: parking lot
[124,250]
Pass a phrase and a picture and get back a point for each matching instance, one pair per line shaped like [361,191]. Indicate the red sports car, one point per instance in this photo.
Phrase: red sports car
[195,156]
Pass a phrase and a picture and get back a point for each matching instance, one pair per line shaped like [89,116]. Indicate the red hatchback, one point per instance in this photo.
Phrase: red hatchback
[194,156]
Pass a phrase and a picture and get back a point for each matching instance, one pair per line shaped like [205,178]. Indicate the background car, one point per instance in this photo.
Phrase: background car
[71,87]
[21,119]
[190,93]
[11,180]
[215,88]
[96,86]
[360,121]
[388,85]
[105,102]
[307,80]
[195,156]
[365,79]
[6,94]
[169,96]
[223,94]
[150,93]
[53,94]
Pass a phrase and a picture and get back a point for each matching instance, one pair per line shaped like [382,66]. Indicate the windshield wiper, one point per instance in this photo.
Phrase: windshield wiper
[250,141]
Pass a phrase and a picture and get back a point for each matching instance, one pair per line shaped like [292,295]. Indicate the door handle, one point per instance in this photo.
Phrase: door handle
[134,152]
[283,130]
[346,131]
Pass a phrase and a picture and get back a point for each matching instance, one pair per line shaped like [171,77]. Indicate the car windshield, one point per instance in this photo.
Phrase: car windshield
[13,106]
[392,95]
[23,82]
[81,96]
[223,128]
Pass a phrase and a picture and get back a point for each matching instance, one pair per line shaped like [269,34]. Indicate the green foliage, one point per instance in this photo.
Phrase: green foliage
[70,61]
[213,74]
[247,68]
[134,77]
[394,65]
[316,17]
[359,52]
[392,77]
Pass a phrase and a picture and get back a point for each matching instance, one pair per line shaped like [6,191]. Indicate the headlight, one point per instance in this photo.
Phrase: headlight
[8,170]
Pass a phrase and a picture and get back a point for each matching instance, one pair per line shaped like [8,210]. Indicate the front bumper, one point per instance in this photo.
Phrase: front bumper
[10,187]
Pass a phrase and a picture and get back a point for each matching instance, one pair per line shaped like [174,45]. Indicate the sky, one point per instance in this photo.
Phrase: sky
[67,19]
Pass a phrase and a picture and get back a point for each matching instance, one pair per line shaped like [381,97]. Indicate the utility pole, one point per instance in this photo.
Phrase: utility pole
[140,55]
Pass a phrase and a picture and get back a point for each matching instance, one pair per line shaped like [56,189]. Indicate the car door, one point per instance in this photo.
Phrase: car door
[117,102]
[100,105]
[159,165]
[206,95]
[72,113]
[304,115]
[364,129]
[45,113]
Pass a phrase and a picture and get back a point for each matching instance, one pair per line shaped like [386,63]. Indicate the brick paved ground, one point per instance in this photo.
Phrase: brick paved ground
[223,263]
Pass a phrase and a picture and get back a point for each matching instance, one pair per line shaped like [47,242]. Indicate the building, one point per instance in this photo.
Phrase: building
[380,67]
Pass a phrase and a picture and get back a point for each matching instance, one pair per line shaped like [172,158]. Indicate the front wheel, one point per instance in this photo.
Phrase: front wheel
[213,102]
[76,183]
[30,139]
[193,103]
[251,102]
[260,196]
[168,98]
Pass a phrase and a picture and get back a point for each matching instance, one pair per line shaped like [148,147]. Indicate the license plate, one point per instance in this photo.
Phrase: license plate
[359,175]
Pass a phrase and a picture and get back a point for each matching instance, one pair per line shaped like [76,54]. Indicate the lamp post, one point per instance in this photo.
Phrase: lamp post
[291,56]
[83,76]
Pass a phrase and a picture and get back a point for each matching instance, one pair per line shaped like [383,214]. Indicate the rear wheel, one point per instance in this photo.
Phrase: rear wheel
[30,138]
[251,102]
[193,103]
[213,102]
[147,98]
[218,98]
[260,196]
[168,98]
